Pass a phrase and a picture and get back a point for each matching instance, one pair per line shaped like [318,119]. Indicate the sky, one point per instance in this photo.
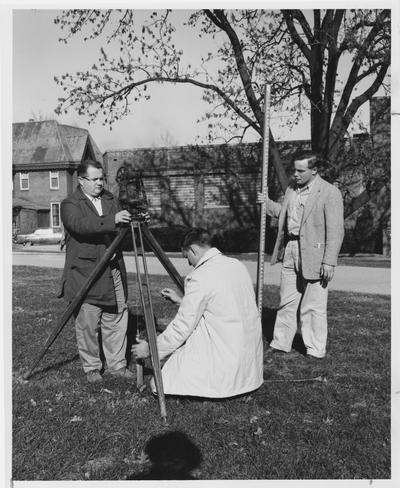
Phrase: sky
[171,113]
[169,117]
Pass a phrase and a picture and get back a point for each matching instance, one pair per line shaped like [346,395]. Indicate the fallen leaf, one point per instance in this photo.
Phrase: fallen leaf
[33,403]
[253,419]
[75,418]
[107,391]
[221,421]
[91,400]
[141,459]
[362,404]
[258,432]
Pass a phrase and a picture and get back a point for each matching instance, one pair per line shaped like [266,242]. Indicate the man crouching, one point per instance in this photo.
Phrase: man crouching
[215,340]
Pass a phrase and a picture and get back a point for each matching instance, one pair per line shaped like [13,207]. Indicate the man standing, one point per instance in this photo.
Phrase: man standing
[91,217]
[215,340]
[310,234]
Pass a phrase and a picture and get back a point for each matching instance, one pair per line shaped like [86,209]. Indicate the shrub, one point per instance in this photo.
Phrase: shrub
[169,238]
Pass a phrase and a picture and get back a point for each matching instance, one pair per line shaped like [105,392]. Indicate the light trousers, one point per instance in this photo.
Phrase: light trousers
[113,326]
[302,302]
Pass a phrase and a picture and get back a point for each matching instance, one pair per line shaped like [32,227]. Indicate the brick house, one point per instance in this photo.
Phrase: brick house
[191,185]
[45,157]
[213,186]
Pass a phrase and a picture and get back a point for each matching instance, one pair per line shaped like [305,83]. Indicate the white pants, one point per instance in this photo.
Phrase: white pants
[91,319]
[301,301]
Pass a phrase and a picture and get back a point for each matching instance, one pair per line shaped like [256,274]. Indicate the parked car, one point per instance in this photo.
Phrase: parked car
[40,236]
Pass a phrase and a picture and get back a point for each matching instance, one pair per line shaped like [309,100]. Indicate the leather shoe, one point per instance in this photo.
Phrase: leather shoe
[94,376]
[313,359]
[123,373]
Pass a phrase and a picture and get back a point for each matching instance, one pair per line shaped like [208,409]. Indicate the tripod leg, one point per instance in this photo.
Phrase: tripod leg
[139,376]
[139,371]
[162,257]
[149,319]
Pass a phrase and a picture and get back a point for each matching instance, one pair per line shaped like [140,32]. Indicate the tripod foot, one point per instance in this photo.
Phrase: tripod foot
[27,375]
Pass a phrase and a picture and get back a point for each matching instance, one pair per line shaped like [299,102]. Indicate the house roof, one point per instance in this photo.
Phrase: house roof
[48,142]
[25,203]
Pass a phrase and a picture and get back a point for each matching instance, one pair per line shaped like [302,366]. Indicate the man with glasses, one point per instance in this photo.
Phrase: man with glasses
[91,216]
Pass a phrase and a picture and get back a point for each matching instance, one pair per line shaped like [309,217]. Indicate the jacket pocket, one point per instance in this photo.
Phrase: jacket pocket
[87,252]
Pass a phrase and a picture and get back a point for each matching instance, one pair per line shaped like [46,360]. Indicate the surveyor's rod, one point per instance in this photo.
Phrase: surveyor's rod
[79,297]
[149,320]
[263,208]
[162,257]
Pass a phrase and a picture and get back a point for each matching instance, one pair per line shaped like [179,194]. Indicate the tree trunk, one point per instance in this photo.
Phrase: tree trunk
[386,239]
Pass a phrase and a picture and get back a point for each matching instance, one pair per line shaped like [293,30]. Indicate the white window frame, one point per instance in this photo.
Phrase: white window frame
[23,176]
[54,174]
[51,215]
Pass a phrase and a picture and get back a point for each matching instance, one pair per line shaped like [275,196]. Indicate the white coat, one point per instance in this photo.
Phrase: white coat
[216,337]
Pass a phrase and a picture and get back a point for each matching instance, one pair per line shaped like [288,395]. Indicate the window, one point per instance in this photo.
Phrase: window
[54,180]
[216,191]
[55,215]
[24,181]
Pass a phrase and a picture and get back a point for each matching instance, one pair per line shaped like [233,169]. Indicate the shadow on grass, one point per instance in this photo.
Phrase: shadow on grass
[172,456]
[268,319]
[54,366]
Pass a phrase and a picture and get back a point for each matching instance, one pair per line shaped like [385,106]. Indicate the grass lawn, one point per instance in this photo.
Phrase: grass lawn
[329,420]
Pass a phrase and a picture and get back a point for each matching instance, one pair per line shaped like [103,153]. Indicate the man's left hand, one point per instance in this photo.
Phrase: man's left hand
[327,272]
[140,350]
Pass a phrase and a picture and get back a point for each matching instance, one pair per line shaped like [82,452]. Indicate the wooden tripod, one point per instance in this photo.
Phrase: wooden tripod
[143,234]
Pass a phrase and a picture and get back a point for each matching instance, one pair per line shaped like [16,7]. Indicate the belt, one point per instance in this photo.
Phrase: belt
[292,237]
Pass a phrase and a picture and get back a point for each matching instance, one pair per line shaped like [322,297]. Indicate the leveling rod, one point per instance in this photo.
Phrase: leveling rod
[263,208]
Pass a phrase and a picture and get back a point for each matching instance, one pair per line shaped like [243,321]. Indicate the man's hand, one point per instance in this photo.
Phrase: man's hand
[327,272]
[171,295]
[123,217]
[261,197]
[140,350]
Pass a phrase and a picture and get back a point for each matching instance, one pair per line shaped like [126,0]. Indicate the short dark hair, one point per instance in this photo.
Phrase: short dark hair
[84,165]
[315,159]
[198,236]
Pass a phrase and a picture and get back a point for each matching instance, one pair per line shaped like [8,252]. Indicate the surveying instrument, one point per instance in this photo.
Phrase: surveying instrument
[132,197]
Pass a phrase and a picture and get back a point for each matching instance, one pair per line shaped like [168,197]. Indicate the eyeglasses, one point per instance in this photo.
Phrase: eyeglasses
[93,180]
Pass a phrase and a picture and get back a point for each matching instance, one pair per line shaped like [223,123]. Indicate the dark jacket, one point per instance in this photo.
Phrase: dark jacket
[87,236]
